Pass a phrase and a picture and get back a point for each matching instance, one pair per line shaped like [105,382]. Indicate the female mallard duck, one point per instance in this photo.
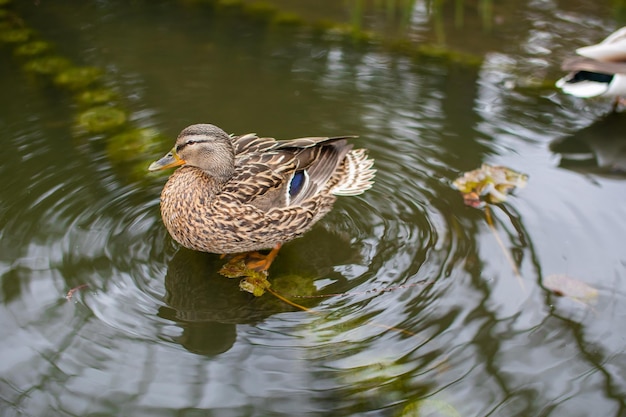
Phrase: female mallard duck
[599,71]
[236,194]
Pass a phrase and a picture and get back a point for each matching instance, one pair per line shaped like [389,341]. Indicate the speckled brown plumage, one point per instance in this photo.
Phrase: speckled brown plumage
[245,193]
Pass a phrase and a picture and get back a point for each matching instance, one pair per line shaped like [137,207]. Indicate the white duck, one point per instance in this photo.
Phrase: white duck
[599,71]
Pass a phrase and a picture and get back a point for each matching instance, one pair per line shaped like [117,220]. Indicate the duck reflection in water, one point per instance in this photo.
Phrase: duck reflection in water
[597,149]
[208,307]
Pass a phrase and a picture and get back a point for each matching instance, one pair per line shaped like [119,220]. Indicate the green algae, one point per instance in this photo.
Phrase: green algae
[47,65]
[97,96]
[133,144]
[33,48]
[101,119]
[15,35]
[76,78]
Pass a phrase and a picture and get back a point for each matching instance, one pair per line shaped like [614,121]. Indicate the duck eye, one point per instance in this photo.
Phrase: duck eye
[182,145]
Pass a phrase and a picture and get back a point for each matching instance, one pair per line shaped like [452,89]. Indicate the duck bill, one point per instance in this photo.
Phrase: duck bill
[168,161]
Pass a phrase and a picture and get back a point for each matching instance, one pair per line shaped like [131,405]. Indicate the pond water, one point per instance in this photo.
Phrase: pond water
[415,307]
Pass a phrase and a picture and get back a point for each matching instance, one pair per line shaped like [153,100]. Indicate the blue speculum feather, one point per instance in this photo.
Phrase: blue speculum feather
[297,182]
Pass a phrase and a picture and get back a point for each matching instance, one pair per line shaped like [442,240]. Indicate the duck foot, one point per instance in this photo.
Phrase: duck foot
[242,264]
[261,263]
[252,267]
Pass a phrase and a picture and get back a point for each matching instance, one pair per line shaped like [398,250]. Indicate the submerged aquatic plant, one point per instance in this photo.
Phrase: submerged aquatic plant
[101,119]
[47,65]
[132,145]
[96,96]
[33,48]
[15,35]
[76,78]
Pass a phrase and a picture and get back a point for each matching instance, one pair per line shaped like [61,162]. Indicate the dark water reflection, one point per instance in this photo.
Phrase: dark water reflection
[598,148]
[414,303]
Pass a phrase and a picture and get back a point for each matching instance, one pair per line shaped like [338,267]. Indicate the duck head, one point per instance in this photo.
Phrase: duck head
[203,146]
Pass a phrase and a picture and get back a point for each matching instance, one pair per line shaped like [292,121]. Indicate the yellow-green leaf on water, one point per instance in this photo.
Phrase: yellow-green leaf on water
[253,281]
[256,283]
[488,184]
[234,268]
[566,286]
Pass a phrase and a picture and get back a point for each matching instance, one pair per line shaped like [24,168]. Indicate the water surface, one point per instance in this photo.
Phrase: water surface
[415,303]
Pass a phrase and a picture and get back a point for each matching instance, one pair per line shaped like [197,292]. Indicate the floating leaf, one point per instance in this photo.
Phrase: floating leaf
[489,184]
[234,268]
[256,283]
[567,286]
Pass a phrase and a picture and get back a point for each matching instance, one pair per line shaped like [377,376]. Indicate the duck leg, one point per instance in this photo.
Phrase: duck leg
[242,264]
[263,262]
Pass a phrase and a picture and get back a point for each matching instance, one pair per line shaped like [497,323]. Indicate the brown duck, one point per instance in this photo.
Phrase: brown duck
[236,194]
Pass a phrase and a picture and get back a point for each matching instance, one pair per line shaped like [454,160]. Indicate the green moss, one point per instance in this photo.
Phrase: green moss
[97,96]
[101,119]
[33,48]
[4,3]
[76,78]
[47,65]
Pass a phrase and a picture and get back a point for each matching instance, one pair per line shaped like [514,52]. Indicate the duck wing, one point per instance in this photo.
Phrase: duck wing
[279,174]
